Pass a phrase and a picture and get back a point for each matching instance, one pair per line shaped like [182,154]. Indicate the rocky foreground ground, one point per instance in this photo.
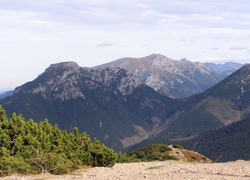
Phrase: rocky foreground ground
[155,171]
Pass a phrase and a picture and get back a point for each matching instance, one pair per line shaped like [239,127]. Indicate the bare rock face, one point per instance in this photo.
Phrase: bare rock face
[64,85]
[176,79]
[65,80]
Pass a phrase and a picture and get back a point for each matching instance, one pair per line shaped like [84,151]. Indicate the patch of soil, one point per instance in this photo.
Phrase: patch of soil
[239,170]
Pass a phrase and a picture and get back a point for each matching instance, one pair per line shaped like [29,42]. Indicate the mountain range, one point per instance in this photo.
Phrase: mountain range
[115,106]
[5,94]
[174,78]
[225,68]
[109,104]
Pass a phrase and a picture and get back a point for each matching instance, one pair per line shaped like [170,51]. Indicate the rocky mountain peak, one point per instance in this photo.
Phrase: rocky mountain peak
[59,81]
[156,57]
[173,78]
[124,81]
[67,80]
[68,65]
[185,60]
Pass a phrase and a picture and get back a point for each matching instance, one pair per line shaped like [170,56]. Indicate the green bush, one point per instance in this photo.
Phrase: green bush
[177,146]
[153,152]
[153,157]
[10,165]
[193,157]
[168,157]
[32,148]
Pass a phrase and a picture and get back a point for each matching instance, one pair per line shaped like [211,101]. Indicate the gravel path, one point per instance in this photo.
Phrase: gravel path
[156,171]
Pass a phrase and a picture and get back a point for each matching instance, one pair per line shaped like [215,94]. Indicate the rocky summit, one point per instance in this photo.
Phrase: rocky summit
[174,78]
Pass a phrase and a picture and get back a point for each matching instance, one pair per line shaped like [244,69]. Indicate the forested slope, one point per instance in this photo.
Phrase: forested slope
[225,144]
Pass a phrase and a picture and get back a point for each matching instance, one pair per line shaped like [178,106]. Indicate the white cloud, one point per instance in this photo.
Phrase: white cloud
[238,48]
[105,44]
[58,30]
[214,48]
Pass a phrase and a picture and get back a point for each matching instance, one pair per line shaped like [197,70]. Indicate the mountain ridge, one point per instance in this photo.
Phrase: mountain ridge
[176,79]
[224,105]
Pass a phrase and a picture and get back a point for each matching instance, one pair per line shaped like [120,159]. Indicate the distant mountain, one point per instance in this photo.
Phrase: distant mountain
[176,79]
[5,94]
[225,68]
[109,104]
[226,103]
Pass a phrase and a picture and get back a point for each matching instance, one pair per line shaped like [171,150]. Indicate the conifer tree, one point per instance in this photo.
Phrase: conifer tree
[30,147]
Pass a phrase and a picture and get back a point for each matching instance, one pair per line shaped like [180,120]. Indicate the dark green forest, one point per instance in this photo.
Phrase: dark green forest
[228,143]
[27,147]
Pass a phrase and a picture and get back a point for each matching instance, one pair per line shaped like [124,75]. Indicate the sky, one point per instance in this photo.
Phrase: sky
[35,34]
